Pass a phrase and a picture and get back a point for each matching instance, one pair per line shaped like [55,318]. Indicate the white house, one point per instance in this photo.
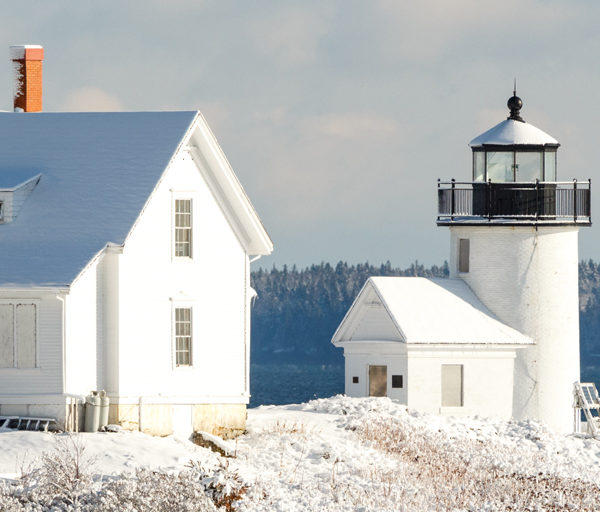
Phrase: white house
[501,336]
[125,265]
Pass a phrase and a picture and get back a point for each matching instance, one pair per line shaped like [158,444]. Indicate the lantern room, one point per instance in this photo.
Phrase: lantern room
[514,151]
[514,180]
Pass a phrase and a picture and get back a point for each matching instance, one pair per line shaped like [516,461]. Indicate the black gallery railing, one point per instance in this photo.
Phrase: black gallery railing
[553,202]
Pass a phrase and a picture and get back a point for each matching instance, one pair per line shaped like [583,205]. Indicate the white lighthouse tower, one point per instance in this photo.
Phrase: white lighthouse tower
[514,241]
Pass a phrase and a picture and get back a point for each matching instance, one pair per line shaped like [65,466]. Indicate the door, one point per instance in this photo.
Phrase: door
[452,385]
[377,380]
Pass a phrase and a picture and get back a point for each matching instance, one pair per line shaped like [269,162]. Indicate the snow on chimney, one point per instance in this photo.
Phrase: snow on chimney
[27,77]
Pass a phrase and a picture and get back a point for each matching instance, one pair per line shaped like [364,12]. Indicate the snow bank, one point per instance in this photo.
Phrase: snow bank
[109,453]
[343,454]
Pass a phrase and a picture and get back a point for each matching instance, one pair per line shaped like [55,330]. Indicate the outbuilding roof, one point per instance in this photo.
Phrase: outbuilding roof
[511,132]
[429,311]
[97,172]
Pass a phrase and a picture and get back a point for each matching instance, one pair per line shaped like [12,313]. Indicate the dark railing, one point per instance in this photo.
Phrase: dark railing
[556,202]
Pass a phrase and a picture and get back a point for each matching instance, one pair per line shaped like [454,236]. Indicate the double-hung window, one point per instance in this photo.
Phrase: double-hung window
[183,336]
[183,228]
[18,335]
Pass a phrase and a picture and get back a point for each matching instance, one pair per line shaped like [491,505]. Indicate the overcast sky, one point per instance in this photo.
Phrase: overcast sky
[337,116]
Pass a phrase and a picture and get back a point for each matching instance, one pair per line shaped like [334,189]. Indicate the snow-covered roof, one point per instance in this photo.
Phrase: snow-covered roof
[97,171]
[12,178]
[510,132]
[429,311]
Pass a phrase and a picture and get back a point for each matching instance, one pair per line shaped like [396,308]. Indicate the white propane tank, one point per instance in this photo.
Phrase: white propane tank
[104,407]
[92,412]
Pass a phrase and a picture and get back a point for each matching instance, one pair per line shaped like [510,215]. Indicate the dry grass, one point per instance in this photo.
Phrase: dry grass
[283,427]
[461,475]
[291,428]
[61,481]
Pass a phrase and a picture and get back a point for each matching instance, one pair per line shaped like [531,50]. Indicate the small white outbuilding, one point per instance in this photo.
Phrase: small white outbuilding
[431,344]
[125,266]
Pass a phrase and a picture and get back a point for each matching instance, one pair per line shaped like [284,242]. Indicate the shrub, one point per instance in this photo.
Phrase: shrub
[61,481]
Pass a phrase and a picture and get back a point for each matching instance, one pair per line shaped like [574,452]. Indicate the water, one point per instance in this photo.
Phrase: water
[590,373]
[278,384]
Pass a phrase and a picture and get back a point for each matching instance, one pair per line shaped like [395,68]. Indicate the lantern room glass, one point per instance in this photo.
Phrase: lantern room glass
[478,165]
[528,166]
[508,166]
[550,166]
[500,166]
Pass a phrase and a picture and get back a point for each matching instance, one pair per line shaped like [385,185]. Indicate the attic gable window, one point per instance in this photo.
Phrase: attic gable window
[183,228]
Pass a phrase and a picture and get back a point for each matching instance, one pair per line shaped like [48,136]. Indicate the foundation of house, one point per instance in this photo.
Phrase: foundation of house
[224,420]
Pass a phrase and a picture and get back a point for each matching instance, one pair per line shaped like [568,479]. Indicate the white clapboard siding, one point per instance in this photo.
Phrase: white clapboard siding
[101,340]
[487,380]
[374,322]
[25,322]
[152,282]
[46,377]
[81,341]
[7,336]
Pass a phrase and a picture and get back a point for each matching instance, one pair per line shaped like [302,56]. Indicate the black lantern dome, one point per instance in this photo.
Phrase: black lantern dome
[515,104]
[514,151]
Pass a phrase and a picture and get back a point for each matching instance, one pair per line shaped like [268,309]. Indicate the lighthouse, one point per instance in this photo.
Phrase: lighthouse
[514,241]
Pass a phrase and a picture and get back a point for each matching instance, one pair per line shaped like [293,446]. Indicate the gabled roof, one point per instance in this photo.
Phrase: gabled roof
[427,311]
[14,178]
[228,191]
[510,132]
[97,172]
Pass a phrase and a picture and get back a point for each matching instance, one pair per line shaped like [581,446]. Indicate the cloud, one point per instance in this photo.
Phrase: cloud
[352,125]
[315,168]
[488,117]
[292,34]
[91,99]
[188,5]
[217,115]
[275,116]
[337,116]
[430,29]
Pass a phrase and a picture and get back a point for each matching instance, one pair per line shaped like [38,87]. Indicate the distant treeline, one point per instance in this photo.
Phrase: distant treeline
[589,311]
[297,311]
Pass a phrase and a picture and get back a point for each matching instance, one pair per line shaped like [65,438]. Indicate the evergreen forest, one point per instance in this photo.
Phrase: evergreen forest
[297,311]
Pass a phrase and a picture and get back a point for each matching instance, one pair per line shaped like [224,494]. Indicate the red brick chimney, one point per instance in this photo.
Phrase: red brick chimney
[27,77]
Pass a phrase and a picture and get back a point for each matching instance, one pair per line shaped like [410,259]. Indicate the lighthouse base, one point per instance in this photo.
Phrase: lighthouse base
[528,277]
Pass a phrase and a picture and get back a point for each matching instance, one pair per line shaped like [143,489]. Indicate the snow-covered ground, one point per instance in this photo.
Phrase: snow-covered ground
[341,454]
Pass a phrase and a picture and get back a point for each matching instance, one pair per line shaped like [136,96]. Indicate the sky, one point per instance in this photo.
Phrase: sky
[337,116]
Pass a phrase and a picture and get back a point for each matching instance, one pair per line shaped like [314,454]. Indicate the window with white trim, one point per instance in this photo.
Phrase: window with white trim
[183,336]
[18,335]
[183,228]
